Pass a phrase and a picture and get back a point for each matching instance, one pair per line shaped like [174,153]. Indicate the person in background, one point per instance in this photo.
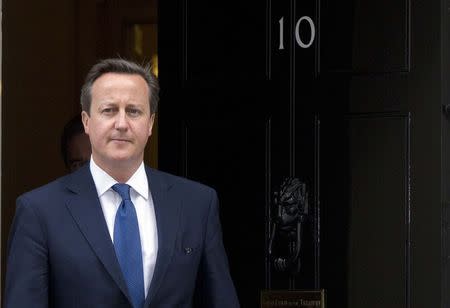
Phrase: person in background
[75,144]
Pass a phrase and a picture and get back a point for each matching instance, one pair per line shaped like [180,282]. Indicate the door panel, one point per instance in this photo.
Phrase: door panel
[365,36]
[379,224]
[224,40]
[381,36]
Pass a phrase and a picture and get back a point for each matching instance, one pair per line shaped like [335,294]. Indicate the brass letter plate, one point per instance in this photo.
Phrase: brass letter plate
[293,299]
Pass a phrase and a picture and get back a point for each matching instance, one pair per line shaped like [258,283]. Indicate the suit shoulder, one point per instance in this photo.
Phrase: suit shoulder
[182,183]
[45,190]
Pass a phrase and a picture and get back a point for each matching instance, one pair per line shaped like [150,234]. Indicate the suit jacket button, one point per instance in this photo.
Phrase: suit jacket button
[187,250]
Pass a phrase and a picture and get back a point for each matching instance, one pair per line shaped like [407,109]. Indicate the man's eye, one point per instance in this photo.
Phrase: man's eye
[107,110]
[134,112]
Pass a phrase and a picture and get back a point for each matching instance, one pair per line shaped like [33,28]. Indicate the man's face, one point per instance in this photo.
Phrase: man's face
[78,151]
[120,122]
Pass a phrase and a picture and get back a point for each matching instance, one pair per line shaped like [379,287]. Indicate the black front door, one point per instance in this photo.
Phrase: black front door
[257,92]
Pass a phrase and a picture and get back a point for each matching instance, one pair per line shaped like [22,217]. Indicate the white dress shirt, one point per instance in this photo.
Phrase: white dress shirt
[145,211]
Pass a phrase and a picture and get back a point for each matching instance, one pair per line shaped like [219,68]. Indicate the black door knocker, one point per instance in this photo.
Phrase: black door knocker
[291,202]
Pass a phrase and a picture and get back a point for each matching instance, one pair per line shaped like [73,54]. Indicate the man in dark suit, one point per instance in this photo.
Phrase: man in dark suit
[116,233]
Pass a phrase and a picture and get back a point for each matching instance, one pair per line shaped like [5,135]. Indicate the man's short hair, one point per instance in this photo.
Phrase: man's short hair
[73,128]
[120,66]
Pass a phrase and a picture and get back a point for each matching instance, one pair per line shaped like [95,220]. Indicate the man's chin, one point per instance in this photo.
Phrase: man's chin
[121,158]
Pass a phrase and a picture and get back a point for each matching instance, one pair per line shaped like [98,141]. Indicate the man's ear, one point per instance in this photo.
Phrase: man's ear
[152,121]
[85,120]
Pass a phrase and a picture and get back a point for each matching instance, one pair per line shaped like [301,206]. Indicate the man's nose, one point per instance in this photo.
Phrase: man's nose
[121,120]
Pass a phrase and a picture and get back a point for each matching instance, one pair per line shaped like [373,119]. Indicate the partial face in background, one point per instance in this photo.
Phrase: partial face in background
[78,151]
[120,121]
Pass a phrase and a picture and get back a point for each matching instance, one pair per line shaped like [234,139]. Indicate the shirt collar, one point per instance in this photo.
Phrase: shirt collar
[103,181]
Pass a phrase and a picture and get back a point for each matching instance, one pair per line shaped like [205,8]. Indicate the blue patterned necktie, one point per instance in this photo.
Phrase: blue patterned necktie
[127,244]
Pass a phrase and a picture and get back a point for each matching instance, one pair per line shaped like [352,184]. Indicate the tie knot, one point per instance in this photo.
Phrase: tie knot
[123,190]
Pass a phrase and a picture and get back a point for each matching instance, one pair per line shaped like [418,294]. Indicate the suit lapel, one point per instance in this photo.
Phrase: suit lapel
[87,212]
[167,211]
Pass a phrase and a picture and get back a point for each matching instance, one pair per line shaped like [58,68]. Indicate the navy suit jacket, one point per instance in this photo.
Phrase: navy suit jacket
[60,253]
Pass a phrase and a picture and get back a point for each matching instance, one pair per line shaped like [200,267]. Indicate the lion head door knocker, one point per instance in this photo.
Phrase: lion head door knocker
[291,202]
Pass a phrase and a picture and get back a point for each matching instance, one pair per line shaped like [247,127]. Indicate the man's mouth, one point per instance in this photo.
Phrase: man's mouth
[120,140]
